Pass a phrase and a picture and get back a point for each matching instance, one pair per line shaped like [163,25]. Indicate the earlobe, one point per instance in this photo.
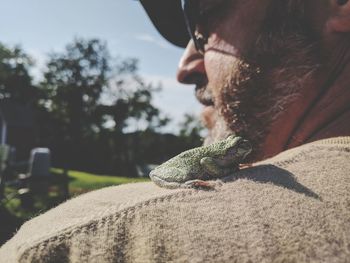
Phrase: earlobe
[339,20]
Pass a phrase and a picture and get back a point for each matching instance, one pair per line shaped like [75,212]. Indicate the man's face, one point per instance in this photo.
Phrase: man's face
[256,60]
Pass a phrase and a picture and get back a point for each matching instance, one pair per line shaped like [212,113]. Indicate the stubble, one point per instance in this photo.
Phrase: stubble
[254,95]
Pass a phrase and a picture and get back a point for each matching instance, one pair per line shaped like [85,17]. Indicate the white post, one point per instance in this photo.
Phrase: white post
[3,132]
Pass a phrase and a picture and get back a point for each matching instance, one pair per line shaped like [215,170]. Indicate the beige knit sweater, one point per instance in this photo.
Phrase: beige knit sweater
[294,207]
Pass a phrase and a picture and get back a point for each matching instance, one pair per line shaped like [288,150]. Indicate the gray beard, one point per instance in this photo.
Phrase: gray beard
[255,96]
[220,131]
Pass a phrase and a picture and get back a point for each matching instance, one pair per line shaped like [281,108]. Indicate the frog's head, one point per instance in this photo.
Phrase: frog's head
[238,147]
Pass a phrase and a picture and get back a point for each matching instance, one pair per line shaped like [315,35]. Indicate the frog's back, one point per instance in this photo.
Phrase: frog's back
[200,152]
[186,161]
[193,153]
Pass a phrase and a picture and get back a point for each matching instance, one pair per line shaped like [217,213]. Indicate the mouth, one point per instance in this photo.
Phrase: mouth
[204,95]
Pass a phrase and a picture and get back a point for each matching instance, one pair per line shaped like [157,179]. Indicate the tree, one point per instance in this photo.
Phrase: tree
[85,90]
[15,81]
[131,99]
[90,100]
[73,82]
[93,111]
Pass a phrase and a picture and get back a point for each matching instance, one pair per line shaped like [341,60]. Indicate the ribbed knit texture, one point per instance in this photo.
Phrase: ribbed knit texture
[294,207]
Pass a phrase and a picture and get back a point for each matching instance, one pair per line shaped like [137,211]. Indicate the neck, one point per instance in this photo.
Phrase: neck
[328,114]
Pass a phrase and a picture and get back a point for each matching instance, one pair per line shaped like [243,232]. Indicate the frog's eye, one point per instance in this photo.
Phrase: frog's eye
[245,146]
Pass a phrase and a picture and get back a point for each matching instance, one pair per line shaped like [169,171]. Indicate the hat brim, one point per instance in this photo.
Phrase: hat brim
[168,18]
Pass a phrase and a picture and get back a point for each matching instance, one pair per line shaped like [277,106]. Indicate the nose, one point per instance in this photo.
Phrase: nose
[191,68]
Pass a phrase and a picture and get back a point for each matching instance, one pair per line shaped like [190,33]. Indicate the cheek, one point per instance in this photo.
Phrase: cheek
[217,67]
[216,73]
[220,69]
[214,67]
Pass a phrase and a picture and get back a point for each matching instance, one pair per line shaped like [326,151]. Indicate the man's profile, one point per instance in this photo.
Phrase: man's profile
[274,72]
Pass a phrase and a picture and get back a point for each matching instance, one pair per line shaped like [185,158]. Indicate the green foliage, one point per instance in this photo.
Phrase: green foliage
[15,81]
[73,82]
[130,99]
[85,91]
[90,100]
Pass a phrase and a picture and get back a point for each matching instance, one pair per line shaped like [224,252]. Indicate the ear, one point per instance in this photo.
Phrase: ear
[339,20]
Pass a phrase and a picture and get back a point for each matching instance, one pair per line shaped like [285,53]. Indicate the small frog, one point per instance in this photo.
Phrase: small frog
[194,167]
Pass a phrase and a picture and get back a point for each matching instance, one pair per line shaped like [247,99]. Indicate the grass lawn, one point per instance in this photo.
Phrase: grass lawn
[12,214]
[81,182]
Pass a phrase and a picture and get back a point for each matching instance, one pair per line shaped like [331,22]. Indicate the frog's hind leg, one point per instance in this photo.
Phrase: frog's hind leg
[199,184]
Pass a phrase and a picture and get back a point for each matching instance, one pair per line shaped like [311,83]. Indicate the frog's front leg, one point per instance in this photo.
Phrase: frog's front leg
[211,166]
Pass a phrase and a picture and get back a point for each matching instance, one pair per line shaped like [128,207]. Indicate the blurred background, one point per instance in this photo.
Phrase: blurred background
[88,99]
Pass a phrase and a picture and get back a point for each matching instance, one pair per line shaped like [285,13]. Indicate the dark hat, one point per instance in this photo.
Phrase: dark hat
[168,18]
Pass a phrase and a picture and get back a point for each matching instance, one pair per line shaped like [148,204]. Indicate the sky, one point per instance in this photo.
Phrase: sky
[44,26]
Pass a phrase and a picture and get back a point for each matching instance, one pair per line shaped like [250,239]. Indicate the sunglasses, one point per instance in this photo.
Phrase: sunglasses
[191,11]
[199,17]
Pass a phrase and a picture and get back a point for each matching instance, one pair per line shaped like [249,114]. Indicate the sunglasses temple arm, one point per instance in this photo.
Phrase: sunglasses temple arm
[185,9]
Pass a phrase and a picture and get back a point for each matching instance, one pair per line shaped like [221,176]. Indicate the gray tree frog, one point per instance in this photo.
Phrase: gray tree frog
[193,167]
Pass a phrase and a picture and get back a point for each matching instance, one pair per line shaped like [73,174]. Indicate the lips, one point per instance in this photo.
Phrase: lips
[204,96]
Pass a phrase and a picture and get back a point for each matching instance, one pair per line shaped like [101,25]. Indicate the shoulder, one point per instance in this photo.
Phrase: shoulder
[284,207]
[79,214]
